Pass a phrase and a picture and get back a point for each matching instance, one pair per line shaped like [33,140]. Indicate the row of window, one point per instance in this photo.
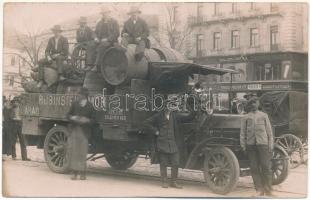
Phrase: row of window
[235,39]
[234,8]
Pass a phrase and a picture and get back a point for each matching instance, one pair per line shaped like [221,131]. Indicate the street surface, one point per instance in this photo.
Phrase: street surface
[34,179]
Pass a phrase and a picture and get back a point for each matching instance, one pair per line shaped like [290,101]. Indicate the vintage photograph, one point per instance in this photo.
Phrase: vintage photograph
[155,99]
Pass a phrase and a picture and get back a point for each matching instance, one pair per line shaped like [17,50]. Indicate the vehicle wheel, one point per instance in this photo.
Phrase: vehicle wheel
[55,145]
[280,165]
[294,148]
[221,170]
[79,58]
[123,161]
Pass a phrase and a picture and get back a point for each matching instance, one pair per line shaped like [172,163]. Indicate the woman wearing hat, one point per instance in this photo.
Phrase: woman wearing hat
[136,31]
[80,116]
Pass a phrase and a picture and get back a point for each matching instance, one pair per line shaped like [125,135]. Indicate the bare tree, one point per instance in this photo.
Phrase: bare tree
[178,32]
[31,46]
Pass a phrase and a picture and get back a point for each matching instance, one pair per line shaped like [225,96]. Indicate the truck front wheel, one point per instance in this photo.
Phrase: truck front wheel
[122,161]
[55,149]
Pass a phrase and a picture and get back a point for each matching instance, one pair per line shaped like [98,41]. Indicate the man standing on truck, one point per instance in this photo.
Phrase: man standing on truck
[80,117]
[106,35]
[16,130]
[136,31]
[57,50]
[256,139]
[170,142]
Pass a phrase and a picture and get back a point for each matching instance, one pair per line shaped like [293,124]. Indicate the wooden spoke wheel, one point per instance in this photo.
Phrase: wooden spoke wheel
[123,161]
[280,165]
[79,58]
[55,149]
[294,148]
[221,170]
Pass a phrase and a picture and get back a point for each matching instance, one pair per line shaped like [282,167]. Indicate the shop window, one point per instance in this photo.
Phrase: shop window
[216,40]
[235,39]
[274,37]
[268,71]
[199,41]
[254,37]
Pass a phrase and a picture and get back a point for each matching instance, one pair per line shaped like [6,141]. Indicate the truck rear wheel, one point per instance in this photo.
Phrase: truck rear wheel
[55,149]
[122,161]
[280,165]
[221,170]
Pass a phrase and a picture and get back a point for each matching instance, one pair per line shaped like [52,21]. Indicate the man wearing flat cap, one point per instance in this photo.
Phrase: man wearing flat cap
[136,31]
[84,34]
[106,34]
[256,139]
[57,50]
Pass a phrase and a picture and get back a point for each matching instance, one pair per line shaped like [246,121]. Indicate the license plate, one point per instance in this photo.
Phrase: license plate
[254,87]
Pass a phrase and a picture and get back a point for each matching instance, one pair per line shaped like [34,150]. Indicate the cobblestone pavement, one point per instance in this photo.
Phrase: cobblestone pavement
[294,186]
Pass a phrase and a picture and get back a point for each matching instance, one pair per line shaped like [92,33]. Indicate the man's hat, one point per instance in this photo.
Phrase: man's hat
[56,28]
[82,20]
[15,99]
[249,95]
[133,10]
[104,10]
[83,91]
[253,99]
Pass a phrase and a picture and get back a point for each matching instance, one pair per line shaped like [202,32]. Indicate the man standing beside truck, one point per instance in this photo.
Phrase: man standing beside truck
[170,142]
[256,139]
[16,130]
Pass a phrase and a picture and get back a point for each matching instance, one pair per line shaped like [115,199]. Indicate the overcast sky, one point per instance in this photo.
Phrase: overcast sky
[41,16]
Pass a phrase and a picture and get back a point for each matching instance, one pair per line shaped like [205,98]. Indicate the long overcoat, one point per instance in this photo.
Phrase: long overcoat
[78,135]
[166,143]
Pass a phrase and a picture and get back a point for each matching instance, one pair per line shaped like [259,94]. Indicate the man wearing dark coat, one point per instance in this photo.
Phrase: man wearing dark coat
[80,116]
[16,131]
[170,141]
[136,31]
[106,34]
[57,50]
[84,34]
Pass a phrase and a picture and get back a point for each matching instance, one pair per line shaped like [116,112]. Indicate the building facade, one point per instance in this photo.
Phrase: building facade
[267,43]
[263,41]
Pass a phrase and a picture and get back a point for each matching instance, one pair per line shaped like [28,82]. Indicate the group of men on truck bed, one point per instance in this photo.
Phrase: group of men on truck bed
[105,35]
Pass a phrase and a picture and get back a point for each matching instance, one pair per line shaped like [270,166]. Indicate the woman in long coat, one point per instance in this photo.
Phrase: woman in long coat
[81,117]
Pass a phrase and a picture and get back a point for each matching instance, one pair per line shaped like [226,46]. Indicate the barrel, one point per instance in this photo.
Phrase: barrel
[119,66]
[95,83]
